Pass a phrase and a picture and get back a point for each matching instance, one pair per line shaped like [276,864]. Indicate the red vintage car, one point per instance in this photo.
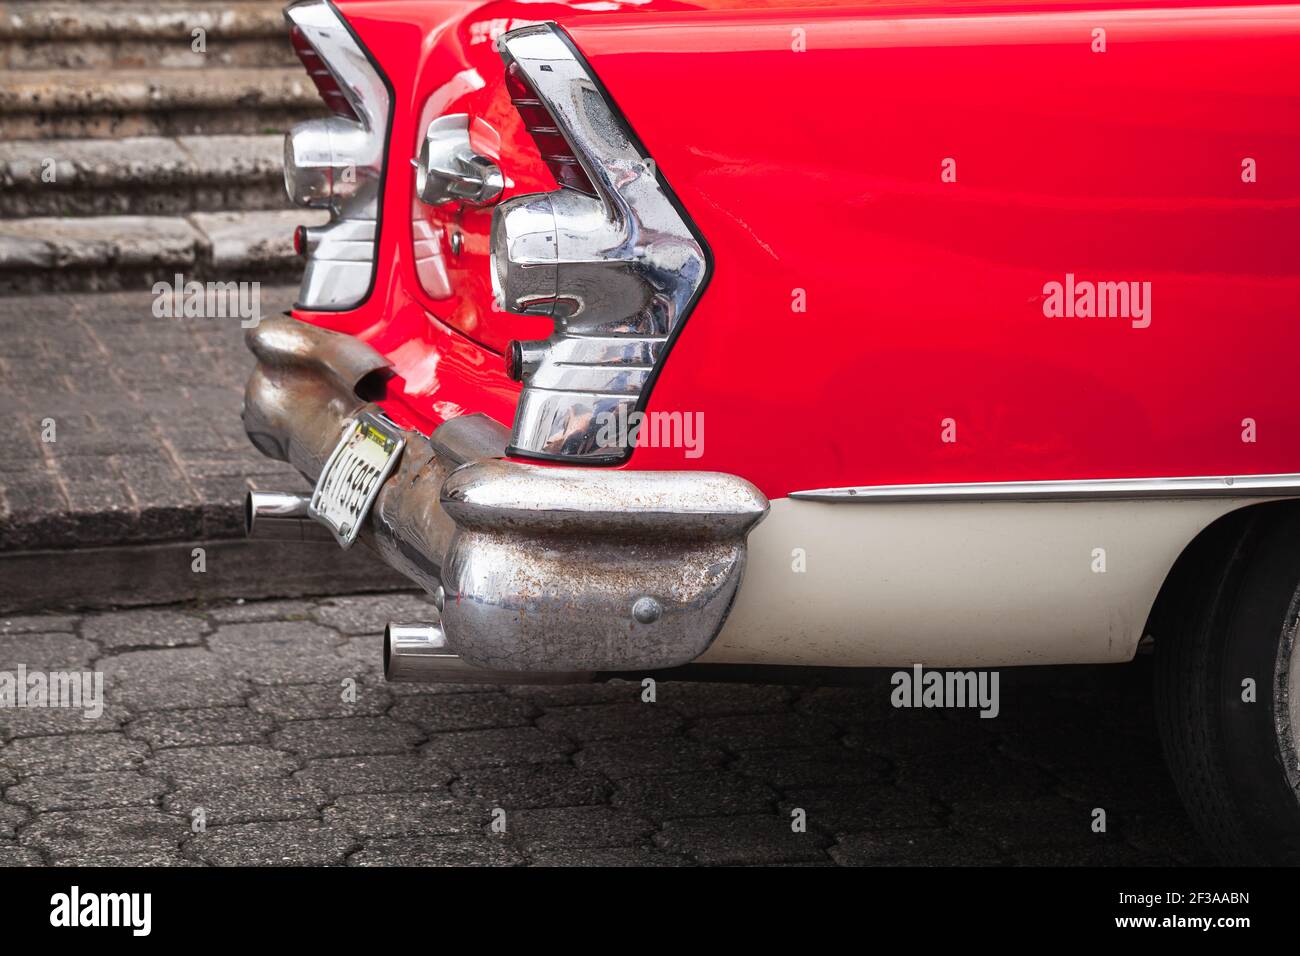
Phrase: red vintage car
[648,334]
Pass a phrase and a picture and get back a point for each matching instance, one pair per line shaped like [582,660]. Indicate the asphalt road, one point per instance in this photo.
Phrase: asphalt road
[239,712]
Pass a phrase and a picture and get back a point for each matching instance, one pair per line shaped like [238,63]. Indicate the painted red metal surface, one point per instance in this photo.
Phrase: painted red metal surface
[816,178]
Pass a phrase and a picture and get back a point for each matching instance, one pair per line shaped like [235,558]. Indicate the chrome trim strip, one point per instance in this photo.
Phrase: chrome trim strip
[1091,489]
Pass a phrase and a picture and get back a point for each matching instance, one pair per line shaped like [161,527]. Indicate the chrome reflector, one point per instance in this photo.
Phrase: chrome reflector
[618,272]
[338,164]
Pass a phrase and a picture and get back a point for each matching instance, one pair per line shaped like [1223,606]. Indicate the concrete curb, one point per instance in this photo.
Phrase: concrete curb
[137,575]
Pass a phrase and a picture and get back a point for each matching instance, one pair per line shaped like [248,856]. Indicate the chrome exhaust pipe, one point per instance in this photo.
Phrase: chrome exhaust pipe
[419,652]
[281,516]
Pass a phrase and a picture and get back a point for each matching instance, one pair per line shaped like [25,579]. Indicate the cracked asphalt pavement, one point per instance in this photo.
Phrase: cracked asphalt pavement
[273,721]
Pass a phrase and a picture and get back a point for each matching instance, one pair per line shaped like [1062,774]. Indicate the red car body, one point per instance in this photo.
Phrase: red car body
[989,310]
[816,178]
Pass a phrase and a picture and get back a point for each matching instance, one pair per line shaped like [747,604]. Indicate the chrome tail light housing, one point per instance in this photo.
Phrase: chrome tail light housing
[617,269]
[337,163]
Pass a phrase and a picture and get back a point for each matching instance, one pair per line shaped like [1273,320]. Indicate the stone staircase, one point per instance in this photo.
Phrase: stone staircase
[143,139]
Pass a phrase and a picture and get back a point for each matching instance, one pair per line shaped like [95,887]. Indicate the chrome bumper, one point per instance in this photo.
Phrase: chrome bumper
[542,569]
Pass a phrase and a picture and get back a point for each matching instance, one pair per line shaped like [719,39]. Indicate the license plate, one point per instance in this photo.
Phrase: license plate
[347,487]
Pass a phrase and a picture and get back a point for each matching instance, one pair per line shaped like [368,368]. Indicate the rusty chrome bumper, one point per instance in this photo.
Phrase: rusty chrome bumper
[541,569]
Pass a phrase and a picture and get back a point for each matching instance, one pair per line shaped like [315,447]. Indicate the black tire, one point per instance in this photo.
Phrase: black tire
[1232,617]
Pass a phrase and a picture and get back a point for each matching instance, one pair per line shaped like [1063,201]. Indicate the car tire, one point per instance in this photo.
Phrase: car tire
[1232,625]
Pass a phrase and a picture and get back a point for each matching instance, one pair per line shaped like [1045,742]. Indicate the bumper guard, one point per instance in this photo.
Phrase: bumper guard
[538,568]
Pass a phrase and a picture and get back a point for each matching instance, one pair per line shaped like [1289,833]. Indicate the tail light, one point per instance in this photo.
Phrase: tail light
[541,126]
[609,256]
[337,163]
[326,85]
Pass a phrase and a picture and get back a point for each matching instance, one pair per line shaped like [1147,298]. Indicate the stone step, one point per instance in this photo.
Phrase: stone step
[47,254]
[48,35]
[144,176]
[81,104]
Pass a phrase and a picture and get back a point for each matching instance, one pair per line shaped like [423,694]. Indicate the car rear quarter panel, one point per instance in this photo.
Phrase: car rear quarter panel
[815,176]
[861,308]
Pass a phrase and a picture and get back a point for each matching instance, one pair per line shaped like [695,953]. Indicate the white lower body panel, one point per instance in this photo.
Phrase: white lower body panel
[962,584]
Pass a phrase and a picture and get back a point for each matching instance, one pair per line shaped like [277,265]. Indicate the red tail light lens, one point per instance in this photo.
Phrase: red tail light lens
[555,149]
[322,77]
[514,362]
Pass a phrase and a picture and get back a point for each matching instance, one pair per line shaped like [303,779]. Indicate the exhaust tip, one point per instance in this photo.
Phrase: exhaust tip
[276,514]
[417,652]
